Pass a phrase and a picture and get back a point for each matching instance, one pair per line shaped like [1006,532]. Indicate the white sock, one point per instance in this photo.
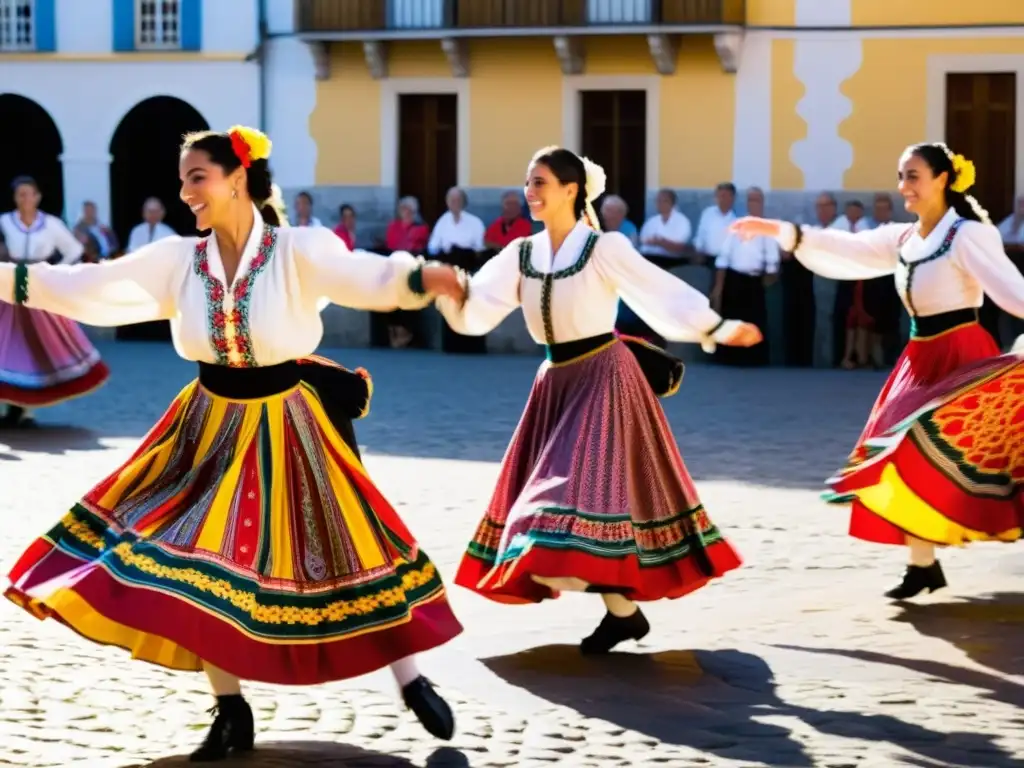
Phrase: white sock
[405,671]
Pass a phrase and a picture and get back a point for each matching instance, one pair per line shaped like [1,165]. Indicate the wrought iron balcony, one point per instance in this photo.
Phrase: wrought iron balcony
[389,19]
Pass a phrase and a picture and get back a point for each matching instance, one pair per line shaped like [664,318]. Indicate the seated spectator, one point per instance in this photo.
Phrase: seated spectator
[665,236]
[346,228]
[406,232]
[304,211]
[614,211]
[509,226]
[457,228]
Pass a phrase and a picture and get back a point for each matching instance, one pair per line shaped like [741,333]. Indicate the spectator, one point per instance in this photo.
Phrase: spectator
[614,211]
[152,227]
[99,239]
[457,228]
[406,232]
[346,228]
[509,226]
[665,236]
[713,226]
[304,211]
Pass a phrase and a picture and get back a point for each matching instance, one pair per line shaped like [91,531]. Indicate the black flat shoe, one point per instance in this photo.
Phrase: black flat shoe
[430,709]
[918,579]
[613,630]
[232,731]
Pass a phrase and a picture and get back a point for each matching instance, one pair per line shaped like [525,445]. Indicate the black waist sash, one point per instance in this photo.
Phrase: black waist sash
[568,350]
[249,383]
[933,325]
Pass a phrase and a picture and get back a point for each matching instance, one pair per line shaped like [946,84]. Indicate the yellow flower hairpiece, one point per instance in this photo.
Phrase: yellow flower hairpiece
[965,174]
[249,144]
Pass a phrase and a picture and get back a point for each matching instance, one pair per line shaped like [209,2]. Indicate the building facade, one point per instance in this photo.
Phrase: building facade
[374,99]
[95,95]
[367,100]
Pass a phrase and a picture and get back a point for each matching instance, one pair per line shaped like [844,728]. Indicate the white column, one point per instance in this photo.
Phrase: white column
[86,177]
[290,100]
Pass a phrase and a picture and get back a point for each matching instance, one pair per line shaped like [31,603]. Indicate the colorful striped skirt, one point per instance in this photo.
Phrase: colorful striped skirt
[593,487]
[942,456]
[45,359]
[246,533]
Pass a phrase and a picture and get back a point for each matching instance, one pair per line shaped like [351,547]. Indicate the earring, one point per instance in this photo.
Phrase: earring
[234,194]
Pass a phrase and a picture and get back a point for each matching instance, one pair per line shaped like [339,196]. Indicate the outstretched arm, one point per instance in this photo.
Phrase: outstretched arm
[136,289]
[670,306]
[362,280]
[492,294]
[981,253]
[832,253]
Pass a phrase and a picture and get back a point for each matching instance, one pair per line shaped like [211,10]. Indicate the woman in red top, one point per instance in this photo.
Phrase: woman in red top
[405,233]
[346,228]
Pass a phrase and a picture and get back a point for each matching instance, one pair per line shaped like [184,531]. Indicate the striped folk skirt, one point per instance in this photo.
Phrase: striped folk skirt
[45,359]
[244,532]
[942,456]
[593,487]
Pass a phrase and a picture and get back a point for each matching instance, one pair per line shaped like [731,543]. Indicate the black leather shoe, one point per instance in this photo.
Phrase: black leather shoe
[615,629]
[232,731]
[430,709]
[918,579]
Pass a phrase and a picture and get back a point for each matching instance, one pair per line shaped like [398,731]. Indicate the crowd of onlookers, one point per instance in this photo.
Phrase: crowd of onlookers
[811,320]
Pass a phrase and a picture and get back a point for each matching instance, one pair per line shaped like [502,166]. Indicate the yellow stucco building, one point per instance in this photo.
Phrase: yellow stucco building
[795,96]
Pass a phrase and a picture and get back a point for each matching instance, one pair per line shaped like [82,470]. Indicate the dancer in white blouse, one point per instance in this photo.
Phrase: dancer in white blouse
[243,537]
[940,460]
[44,359]
[593,494]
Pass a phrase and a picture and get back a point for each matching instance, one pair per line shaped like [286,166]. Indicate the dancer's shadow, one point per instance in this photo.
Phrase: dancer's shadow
[708,700]
[285,754]
[54,439]
[703,700]
[987,628]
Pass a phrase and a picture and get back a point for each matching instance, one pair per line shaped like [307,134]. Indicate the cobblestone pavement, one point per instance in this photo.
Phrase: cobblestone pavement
[794,660]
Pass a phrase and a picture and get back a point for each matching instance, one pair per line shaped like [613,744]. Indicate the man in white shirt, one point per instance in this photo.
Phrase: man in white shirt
[713,227]
[152,227]
[457,228]
[665,236]
[304,211]
[743,269]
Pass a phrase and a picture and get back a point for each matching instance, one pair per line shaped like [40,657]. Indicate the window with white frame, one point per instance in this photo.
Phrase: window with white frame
[157,24]
[17,25]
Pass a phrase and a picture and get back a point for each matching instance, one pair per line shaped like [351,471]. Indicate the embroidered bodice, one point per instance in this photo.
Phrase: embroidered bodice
[952,268]
[39,241]
[573,294]
[269,314]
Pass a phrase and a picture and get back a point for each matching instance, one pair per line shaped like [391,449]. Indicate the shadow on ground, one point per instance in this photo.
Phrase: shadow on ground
[712,701]
[291,754]
[55,439]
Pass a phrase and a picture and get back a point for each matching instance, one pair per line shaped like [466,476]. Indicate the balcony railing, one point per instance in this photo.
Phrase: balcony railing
[330,16]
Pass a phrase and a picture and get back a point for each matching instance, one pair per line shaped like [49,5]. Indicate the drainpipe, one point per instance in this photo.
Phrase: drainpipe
[262,61]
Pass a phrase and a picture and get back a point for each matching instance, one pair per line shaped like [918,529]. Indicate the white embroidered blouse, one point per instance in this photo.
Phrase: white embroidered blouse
[951,269]
[270,314]
[38,242]
[573,294]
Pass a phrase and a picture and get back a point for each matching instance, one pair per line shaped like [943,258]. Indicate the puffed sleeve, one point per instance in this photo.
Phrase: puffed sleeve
[839,255]
[670,306]
[68,245]
[492,295]
[137,288]
[979,251]
[358,279]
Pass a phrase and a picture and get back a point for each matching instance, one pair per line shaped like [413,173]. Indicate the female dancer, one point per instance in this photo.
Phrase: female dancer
[924,482]
[45,359]
[593,494]
[243,537]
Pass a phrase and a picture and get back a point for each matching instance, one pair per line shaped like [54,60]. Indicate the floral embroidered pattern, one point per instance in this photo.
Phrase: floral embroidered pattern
[527,270]
[229,330]
[911,266]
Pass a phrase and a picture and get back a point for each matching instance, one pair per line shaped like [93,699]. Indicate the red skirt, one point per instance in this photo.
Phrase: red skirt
[919,468]
[593,487]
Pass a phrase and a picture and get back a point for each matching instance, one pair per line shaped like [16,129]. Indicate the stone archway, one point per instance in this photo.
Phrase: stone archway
[32,146]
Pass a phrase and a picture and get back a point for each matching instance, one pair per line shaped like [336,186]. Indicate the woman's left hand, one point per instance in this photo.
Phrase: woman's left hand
[442,280]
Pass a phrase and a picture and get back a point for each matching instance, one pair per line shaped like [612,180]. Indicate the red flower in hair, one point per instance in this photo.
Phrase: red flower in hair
[241,148]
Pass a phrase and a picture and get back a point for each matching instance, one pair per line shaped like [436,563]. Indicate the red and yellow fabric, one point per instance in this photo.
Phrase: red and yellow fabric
[245,533]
